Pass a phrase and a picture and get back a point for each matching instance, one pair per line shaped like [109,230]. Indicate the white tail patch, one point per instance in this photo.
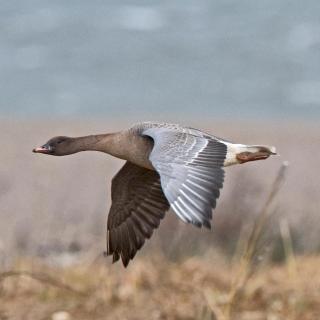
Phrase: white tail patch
[271,149]
[235,148]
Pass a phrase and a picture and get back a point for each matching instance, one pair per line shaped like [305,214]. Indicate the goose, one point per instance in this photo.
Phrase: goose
[167,166]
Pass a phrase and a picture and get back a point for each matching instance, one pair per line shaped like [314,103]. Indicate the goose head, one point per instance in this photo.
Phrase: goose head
[57,146]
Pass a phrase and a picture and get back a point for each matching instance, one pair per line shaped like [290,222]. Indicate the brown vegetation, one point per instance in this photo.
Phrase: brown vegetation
[197,288]
[53,212]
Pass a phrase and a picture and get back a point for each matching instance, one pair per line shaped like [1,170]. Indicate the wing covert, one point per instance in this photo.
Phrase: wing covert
[191,171]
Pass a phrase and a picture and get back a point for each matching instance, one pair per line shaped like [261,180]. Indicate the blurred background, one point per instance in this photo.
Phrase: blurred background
[247,71]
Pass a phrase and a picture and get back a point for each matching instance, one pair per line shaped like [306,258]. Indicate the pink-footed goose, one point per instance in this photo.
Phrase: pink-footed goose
[167,165]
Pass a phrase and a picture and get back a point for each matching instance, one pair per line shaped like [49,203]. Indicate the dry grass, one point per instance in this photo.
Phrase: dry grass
[52,212]
[157,289]
[203,288]
[246,263]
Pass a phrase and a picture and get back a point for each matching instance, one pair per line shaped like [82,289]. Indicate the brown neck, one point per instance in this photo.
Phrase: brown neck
[123,145]
[108,143]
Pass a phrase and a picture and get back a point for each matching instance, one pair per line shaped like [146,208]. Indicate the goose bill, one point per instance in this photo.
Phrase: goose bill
[43,149]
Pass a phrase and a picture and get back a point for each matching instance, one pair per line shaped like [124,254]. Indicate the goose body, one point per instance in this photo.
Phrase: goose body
[167,165]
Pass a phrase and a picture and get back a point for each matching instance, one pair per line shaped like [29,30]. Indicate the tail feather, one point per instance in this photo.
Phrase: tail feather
[258,148]
[240,153]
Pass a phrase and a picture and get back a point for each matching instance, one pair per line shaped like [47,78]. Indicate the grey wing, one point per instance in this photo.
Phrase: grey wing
[138,205]
[191,171]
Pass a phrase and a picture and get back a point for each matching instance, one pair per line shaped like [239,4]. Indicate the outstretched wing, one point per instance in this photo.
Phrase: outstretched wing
[138,205]
[190,165]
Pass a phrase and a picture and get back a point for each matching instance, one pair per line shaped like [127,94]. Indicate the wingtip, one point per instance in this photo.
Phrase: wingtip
[125,261]
[115,257]
[206,224]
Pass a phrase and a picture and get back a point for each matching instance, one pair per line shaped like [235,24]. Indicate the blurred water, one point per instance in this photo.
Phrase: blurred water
[240,59]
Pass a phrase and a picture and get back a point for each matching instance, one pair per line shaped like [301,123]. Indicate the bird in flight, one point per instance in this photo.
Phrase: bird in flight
[167,166]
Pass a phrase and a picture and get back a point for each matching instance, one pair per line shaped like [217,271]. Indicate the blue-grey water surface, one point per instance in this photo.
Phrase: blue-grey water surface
[230,58]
